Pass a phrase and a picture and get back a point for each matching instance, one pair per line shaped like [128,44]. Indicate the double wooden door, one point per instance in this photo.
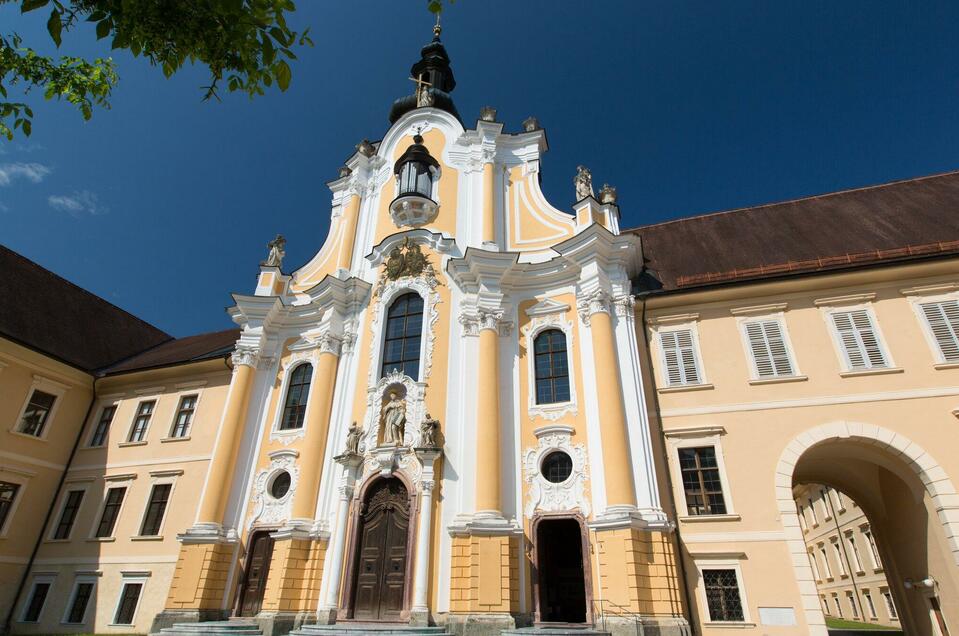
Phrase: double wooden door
[257,569]
[381,554]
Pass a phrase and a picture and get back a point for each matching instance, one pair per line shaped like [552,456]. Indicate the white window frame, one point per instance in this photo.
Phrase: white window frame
[186,392]
[40,383]
[828,314]
[694,438]
[837,549]
[870,603]
[874,557]
[922,296]
[812,512]
[116,481]
[545,315]
[44,577]
[21,478]
[68,487]
[381,316]
[95,421]
[780,318]
[815,564]
[838,604]
[721,562]
[801,513]
[692,326]
[852,604]
[80,578]
[300,356]
[821,548]
[127,441]
[125,578]
[827,511]
[891,610]
[850,537]
[157,478]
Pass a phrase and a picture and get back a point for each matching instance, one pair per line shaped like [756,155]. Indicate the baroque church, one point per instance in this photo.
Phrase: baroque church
[472,412]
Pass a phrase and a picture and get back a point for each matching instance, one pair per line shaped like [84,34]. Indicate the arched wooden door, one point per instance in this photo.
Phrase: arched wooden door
[382,552]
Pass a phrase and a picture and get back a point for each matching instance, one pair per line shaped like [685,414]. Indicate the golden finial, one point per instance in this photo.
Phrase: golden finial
[437,29]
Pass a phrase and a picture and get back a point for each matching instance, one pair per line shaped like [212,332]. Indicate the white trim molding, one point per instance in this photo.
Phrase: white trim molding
[549,314]
[697,437]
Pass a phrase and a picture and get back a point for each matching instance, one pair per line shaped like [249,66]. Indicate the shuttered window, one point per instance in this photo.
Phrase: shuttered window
[943,319]
[768,348]
[679,357]
[860,344]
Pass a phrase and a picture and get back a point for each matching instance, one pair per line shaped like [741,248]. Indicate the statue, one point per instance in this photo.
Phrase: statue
[365,148]
[353,440]
[583,182]
[428,430]
[275,257]
[394,420]
[530,124]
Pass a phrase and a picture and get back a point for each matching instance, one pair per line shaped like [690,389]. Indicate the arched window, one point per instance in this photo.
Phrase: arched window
[404,327]
[294,409]
[552,367]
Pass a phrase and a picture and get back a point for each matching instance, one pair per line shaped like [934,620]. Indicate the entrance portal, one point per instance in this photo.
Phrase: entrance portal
[380,565]
[257,569]
[561,580]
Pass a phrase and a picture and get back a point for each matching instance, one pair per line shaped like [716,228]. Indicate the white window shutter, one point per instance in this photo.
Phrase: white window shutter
[679,357]
[943,319]
[768,346]
[859,340]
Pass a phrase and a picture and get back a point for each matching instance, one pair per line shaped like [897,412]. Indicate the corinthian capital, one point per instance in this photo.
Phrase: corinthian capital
[245,355]
[492,319]
[328,343]
[595,303]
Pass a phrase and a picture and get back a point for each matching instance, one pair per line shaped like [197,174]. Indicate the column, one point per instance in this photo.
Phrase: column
[338,542]
[420,612]
[318,411]
[488,464]
[617,468]
[350,214]
[216,493]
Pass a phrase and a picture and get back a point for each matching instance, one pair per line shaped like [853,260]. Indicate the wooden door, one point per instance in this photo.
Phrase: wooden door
[257,569]
[381,557]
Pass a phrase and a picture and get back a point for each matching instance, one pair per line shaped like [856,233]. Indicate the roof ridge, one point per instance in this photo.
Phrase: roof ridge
[86,291]
[796,200]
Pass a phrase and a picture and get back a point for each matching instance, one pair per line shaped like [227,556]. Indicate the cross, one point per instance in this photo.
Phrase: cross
[421,84]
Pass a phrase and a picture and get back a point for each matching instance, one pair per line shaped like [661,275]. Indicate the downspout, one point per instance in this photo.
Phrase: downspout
[46,519]
[669,476]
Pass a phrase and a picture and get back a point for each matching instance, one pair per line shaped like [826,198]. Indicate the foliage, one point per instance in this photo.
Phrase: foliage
[842,623]
[245,43]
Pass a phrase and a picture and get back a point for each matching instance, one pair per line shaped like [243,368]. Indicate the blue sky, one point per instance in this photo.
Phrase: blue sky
[163,204]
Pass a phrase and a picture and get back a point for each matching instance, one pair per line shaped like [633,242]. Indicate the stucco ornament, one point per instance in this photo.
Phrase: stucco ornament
[583,182]
[407,260]
[543,495]
[268,510]
[277,252]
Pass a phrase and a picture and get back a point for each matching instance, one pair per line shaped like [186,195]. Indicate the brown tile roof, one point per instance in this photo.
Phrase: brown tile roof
[217,344]
[900,220]
[47,313]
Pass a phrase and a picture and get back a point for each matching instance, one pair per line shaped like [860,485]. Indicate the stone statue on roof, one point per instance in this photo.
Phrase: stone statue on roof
[277,252]
[583,181]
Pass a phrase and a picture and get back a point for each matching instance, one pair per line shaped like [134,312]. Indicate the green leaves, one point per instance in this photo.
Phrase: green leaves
[30,5]
[283,75]
[55,26]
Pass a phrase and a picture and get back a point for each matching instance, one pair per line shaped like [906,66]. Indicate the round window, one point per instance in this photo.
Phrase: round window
[557,467]
[280,485]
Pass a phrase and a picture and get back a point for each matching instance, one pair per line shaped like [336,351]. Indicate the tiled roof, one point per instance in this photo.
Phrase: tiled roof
[217,344]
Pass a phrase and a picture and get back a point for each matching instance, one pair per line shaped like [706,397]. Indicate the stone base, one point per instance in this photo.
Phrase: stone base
[420,618]
[278,623]
[326,616]
[169,617]
[479,624]
[644,626]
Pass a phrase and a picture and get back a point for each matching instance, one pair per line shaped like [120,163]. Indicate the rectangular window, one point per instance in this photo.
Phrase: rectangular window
[852,605]
[111,510]
[841,561]
[825,604]
[943,320]
[722,595]
[815,568]
[854,550]
[99,437]
[860,344]
[141,422]
[155,509]
[184,416]
[812,511]
[825,562]
[35,416]
[827,513]
[68,515]
[32,612]
[870,605]
[81,598]
[801,511]
[835,600]
[873,551]
[890,606]
[768,347]
[679,357]
[8,494]
[701,482]
[127,608]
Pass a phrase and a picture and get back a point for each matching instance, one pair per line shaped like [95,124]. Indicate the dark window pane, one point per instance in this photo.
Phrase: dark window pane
[142,421]
[722,595]
[557,467]
[551,367]
[69,514]
[701,482]
[401,345]
[8,494]
[297,394]
[80,600]
[35,415]
[99,436]
[128,603]
[155,509]
[111,510]
[184,416]
[35,606]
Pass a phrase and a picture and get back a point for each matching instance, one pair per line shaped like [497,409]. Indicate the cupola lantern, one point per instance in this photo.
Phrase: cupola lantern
[416,171]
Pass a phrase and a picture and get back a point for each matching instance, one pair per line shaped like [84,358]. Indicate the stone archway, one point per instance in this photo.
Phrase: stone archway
[910,460]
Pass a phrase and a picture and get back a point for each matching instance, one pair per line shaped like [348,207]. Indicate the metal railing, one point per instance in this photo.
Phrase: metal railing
[619,611]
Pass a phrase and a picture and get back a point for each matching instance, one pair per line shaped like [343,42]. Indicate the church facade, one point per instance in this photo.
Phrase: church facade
[477,411]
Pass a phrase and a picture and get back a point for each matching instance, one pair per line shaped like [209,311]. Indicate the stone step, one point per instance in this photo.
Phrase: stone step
[569,630]
[369,629]
[213,628]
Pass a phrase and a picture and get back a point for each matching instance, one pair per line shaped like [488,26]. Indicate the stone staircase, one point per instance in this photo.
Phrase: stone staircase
[368,629]
[232,627]
[554,631]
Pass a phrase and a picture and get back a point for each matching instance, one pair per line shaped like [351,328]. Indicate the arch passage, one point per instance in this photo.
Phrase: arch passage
[381,556]
[561,594]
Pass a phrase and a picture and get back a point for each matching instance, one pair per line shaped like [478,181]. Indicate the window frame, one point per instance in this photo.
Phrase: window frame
[837,549]
[693,438]
[666,324]
[891,610]
[551,356]
[821,547]
[68,488]
[120,481]
[874,558]
[38,579]
[299,359]
[136,415]
[705,563]
[829,313]
[196,395]
[140,578]
[545,315]
[917,298]
[44,385]
[778,317]
[159,478]
[853,545]
[71,598]
[95,423]
[384,323]
[21,479]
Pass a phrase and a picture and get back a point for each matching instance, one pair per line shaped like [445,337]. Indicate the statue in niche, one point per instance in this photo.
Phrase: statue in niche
[277,252]
[428,430]
[394,420]
[353,440]
[583,182]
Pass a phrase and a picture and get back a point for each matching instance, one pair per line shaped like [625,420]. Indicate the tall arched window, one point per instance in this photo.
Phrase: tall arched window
[552,367]
[404,327]
[298,391]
